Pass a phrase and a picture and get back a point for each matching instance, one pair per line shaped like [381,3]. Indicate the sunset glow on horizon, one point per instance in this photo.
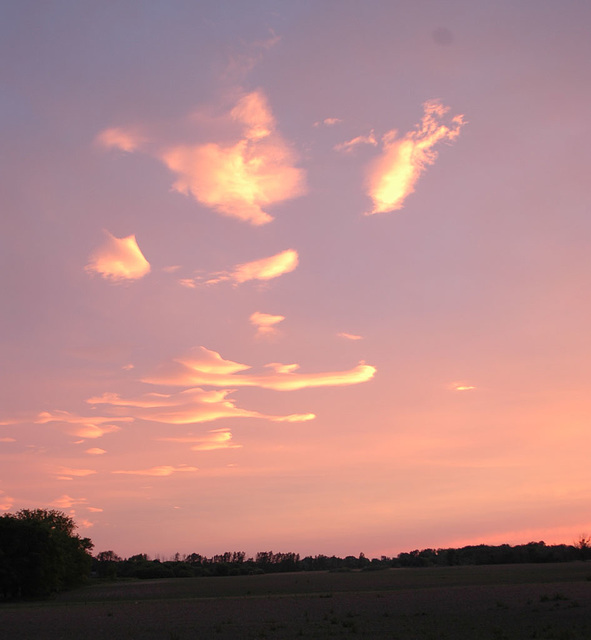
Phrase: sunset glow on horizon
[303,277]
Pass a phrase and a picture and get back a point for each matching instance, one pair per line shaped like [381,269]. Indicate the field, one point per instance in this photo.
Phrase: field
[511,602]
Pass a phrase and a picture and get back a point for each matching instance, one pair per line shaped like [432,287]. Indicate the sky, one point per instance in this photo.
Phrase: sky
[297,276]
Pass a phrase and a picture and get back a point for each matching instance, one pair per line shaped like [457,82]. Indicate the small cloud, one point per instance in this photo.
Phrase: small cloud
[95,509]
[83,523]
[78,473]
[349,336]
[348,146]
[263,269]
[461,386]
[82,426]
[392,177]
[117,138]
[7,440]
[66,502]
[119,259]
[6,502]
[128,367]
[214,440]
[239,179]
[188,282]
[265,323]
[162,471]
[278,367]
[328,122]
[95,451]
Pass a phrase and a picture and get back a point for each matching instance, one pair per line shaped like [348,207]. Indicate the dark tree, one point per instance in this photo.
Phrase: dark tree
[40,553]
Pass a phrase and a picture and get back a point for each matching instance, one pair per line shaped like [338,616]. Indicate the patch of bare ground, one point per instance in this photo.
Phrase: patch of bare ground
[511,602]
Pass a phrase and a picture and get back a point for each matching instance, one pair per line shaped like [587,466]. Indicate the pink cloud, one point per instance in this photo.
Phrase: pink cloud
[6,502]
[199,371]
[348,146]
[118,138]
[161,471]
[66,502]
[263,269]
[95,451]
[214,440]
[119,259]
[265,323]
[349,336]
[82,426]
[392,177]
[78,473]
[239,179]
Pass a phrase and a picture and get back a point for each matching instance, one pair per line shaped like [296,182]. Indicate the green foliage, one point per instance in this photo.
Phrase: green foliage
[40,553]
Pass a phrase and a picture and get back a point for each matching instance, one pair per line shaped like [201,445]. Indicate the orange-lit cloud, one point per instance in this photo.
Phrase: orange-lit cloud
[162,471]
[190,406]
[78,473]
[95,451]
[215,439]
[265,323]
[119,259]
[461,386]
[348,146]
[7,440]
[239,179]
[328,122]
[349,336]
[198,370]
[393,176]
[6,502]
[117,138]
[263,269]
[66,502]
[95,509]
[82,426]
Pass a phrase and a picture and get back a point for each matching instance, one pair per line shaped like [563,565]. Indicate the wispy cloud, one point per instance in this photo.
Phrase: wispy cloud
[8,439]
[263,269]
[349,336]
[461,386]
[190,406]
[95,451]
[265,323]
[82,426]
[162,471]
[213,440]
[118,138]
[243,178]
[349,145]
[119,259]
[67,502]
[6,501]
[199,369]
[392,177]
[78,473]
[328,122]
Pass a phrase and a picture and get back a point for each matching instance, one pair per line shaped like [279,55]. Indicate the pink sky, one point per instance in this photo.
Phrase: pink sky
[300,276]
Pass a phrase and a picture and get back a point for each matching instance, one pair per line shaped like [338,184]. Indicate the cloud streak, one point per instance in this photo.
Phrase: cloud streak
[242,179]
[265,323]
[82,426]
[199,368]
[392,177]
[214,440]
[117,138]
[161,471]
[263,269]
[118,259]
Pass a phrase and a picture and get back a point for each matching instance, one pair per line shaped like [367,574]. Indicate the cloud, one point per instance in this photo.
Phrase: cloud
[199,370]
[328,122]
[6,502]
[461,386]
[189,406]
[7,440]
[162,471]
[214,440]
[95,451]
[278,367]
[119,259]
[393,176]
[82,426]
[117,138]
[263,269]
[239,179]
[265,323]
[95,509]
[349,336]
[348,146]
[66,502]
[78,473]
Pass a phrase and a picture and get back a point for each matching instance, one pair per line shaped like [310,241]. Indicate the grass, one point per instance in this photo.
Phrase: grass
[510,602]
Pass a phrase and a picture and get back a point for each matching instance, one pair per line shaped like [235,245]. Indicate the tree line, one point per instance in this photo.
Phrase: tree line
[107,564]
[41,553]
